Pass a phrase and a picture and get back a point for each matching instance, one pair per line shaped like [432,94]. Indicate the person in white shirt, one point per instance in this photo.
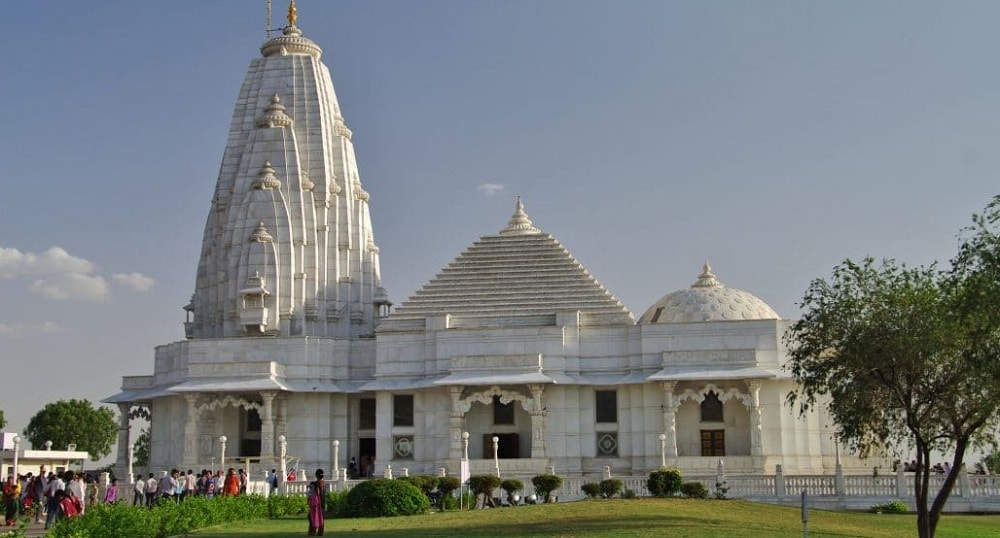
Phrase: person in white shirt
[76,487]
[168,484]
[151,486]
[139,497]
[190,484]
[55,485]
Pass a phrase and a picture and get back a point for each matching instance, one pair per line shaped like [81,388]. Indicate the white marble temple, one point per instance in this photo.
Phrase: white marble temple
[289,334]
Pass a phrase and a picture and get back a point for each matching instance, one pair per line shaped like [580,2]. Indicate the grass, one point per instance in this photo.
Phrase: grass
[641,517]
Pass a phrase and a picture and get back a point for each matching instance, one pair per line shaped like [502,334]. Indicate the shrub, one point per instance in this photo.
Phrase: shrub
[545,484]
[286,505]
[448,484]
[423,482]
[664,482]
[694,490]
[721,489]
[611,487]
[468,500]
[484,484]
[511,486]
[336,503]
[591,489]
[383,497]
[629,494]
[167,519]
[891,507]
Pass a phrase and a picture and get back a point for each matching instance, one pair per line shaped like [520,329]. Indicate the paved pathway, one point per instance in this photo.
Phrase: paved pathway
[32,529]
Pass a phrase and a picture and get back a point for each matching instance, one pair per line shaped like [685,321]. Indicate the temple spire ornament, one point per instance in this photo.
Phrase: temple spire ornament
[293,14]
[519,223]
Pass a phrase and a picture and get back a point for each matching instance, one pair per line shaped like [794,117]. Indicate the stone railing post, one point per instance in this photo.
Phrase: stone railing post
[963,482]
[388,471]
[900,482]
[779,481]
[720,474]
[838,480]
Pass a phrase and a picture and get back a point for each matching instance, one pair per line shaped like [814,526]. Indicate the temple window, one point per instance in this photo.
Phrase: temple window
[606,405]
[366,414]
[503,413]
[713,442]
[402,410]
[711,408]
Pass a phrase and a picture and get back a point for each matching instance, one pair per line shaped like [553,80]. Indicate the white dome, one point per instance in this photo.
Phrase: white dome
[707,300]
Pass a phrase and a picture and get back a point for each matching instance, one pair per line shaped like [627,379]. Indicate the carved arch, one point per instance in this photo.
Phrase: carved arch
[139,411]
[485,397]
[230,401]
[698,396]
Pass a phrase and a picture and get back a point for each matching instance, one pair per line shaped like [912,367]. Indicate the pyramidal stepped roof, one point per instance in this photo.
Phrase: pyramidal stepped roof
[519,272]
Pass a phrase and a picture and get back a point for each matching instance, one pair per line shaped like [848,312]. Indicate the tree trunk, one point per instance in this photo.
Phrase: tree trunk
[921,481]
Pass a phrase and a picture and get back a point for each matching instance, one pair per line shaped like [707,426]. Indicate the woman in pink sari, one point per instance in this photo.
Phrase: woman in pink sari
[316,493]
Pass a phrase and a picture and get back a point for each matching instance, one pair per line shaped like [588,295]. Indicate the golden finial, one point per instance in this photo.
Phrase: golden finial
[293,14]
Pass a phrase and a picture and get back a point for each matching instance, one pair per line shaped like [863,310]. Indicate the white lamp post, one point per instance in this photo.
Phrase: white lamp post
[496,457]
[663,450]
[282,451]
[131,469]
[222,452]
[17,446]
[336,459]
[465,446]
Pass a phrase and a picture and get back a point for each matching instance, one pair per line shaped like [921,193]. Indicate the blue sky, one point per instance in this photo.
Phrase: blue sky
[773,139]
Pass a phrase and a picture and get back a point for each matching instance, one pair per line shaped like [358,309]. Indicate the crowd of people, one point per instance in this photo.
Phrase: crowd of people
[52,496]
[176,486]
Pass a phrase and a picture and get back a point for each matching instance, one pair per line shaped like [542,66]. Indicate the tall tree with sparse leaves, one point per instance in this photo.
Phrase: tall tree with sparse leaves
[92,429]
[907,358]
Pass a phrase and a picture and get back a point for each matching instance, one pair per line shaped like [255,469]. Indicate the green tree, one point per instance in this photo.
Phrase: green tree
[907,357]
[92,429]
[140,449]
[484,484]
[3,421]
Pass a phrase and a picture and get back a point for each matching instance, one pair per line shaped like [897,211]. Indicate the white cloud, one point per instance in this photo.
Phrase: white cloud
[73,286]
[14,263]
[489,189]
[136,281]
[65,276]
[21,329]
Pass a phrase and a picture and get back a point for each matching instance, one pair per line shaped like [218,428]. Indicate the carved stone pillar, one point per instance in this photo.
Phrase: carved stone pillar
[122,463]
[191,431]
[670,405]
[756,443]
[267,425]
[455,423]
[281,428]
[537,421]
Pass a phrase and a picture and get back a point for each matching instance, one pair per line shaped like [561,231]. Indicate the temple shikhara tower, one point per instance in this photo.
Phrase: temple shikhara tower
[290,336]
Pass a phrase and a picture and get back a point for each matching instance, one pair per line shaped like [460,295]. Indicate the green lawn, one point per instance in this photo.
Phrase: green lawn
[640,517]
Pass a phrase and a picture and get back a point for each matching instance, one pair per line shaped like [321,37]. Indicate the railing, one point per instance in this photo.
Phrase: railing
[970,493]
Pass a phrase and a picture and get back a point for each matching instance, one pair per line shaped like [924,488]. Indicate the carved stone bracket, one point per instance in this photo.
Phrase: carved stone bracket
[724,396]
[486,397]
